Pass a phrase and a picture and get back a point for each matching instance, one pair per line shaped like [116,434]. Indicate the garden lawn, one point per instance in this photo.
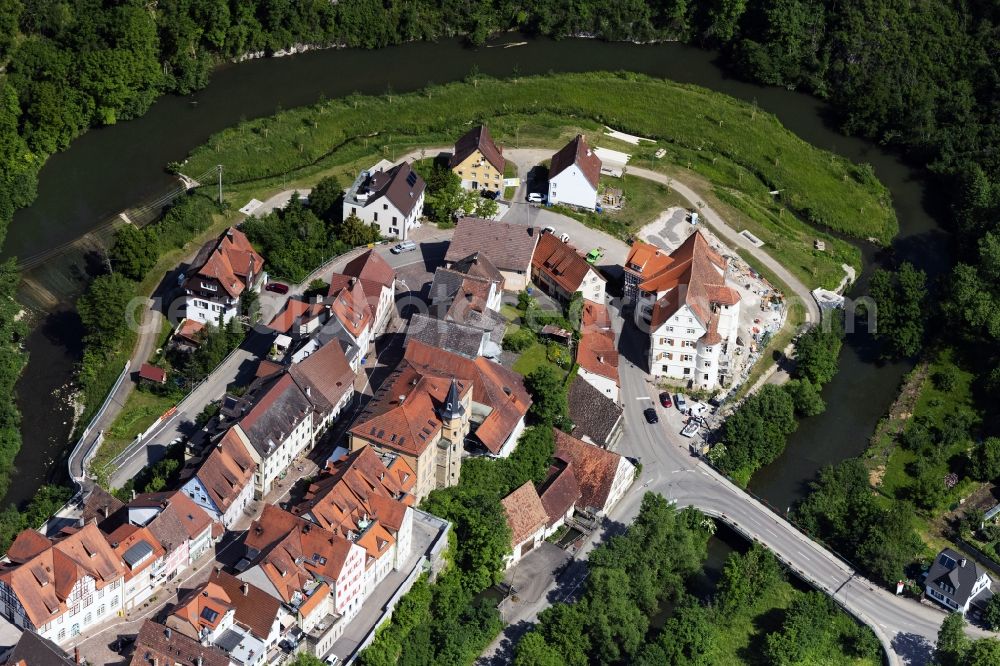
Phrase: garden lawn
[533,357]
[141,409]
[732,143]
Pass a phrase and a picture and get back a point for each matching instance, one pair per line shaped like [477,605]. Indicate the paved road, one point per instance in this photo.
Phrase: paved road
[147,336]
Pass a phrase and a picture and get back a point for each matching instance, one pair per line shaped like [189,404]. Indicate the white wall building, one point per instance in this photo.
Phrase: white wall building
[574,175]
[693,315]
[221,272]
[391,197]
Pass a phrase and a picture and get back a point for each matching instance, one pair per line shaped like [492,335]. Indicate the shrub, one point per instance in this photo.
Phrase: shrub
[518,340]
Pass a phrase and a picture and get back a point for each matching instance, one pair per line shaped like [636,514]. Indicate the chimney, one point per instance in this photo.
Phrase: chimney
[106,511]
[245,587]
[962,562]
[309,391]
[167,633]
[198,661]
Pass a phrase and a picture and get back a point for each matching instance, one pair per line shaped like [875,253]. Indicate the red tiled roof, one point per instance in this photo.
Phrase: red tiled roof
[157,644]
[227,470]
[577,152]
[294,550]
[255,608]
[492,385]
[230,260]
[561,263]
[190,330]
[44,581]
[478,138]
[350,303]
[560,492]
[646,260]
[525,513]
[356,488]
[371,266]
[409,425]
[694,264]
[152,373]
[594,467]
[294,313]
[203,608]
[597,351]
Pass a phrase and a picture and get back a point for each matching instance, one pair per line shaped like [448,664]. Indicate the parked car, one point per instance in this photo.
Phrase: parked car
[595,255]
[650,415]
[277,287]
[536,197]
[549,230]
[665,399]
[405,246]
[680,402]
[331,660]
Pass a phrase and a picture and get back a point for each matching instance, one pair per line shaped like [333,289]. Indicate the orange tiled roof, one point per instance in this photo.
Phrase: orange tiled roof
[695,265]
[597,351]
[44,581]
[525,513]
[230,260]
[645,259]
[295,313]
[356,488]
[204,608]
[411,424]
[492,385]
[349,302]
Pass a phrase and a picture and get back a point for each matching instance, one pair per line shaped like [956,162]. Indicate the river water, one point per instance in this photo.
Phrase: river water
[110,169]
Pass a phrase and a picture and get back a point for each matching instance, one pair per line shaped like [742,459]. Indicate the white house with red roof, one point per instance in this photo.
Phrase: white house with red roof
[378,284]
[221,272]
[597,351]
[692,313]
[574,175]
[61,588]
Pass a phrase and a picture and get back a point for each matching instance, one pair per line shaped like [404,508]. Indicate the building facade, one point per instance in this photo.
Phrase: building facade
[478,162]
[574,175]
[221,272]
[389,197]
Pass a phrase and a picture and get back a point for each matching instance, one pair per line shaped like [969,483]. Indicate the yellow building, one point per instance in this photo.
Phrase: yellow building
[478,161]
[422,418]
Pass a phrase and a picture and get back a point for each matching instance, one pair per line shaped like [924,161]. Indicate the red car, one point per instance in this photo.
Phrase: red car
[665,399]
[277,287]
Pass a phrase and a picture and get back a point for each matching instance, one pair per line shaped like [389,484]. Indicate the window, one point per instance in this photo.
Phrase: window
[708,364]
[376,216]
[706,378]
[354,210]
[385,206]
[666,368]
[394,219]
[209,286]
[708,350]
[690,331]
[687,371]
[62,634]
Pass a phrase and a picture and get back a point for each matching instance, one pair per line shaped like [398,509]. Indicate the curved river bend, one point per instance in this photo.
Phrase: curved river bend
[110,169]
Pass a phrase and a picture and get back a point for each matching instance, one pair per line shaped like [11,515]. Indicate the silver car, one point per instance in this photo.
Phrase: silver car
[405,246]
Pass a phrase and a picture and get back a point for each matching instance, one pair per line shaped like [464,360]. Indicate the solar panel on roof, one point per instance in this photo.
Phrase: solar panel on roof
[411,179]
[209,615]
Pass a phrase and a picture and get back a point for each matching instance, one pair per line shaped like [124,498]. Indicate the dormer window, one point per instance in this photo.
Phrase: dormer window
[209,286]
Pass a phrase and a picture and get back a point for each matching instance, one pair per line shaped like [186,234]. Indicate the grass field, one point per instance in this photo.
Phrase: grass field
[141,409]
[731,143]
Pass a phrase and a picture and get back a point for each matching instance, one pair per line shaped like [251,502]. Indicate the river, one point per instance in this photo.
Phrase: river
[110,169]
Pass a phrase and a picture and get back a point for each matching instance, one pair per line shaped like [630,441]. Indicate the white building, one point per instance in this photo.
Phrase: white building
[221,272]
[692,314]
[60,589]
[957,583]
[223,485]
[391,197]
[527,520]
[574,175]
